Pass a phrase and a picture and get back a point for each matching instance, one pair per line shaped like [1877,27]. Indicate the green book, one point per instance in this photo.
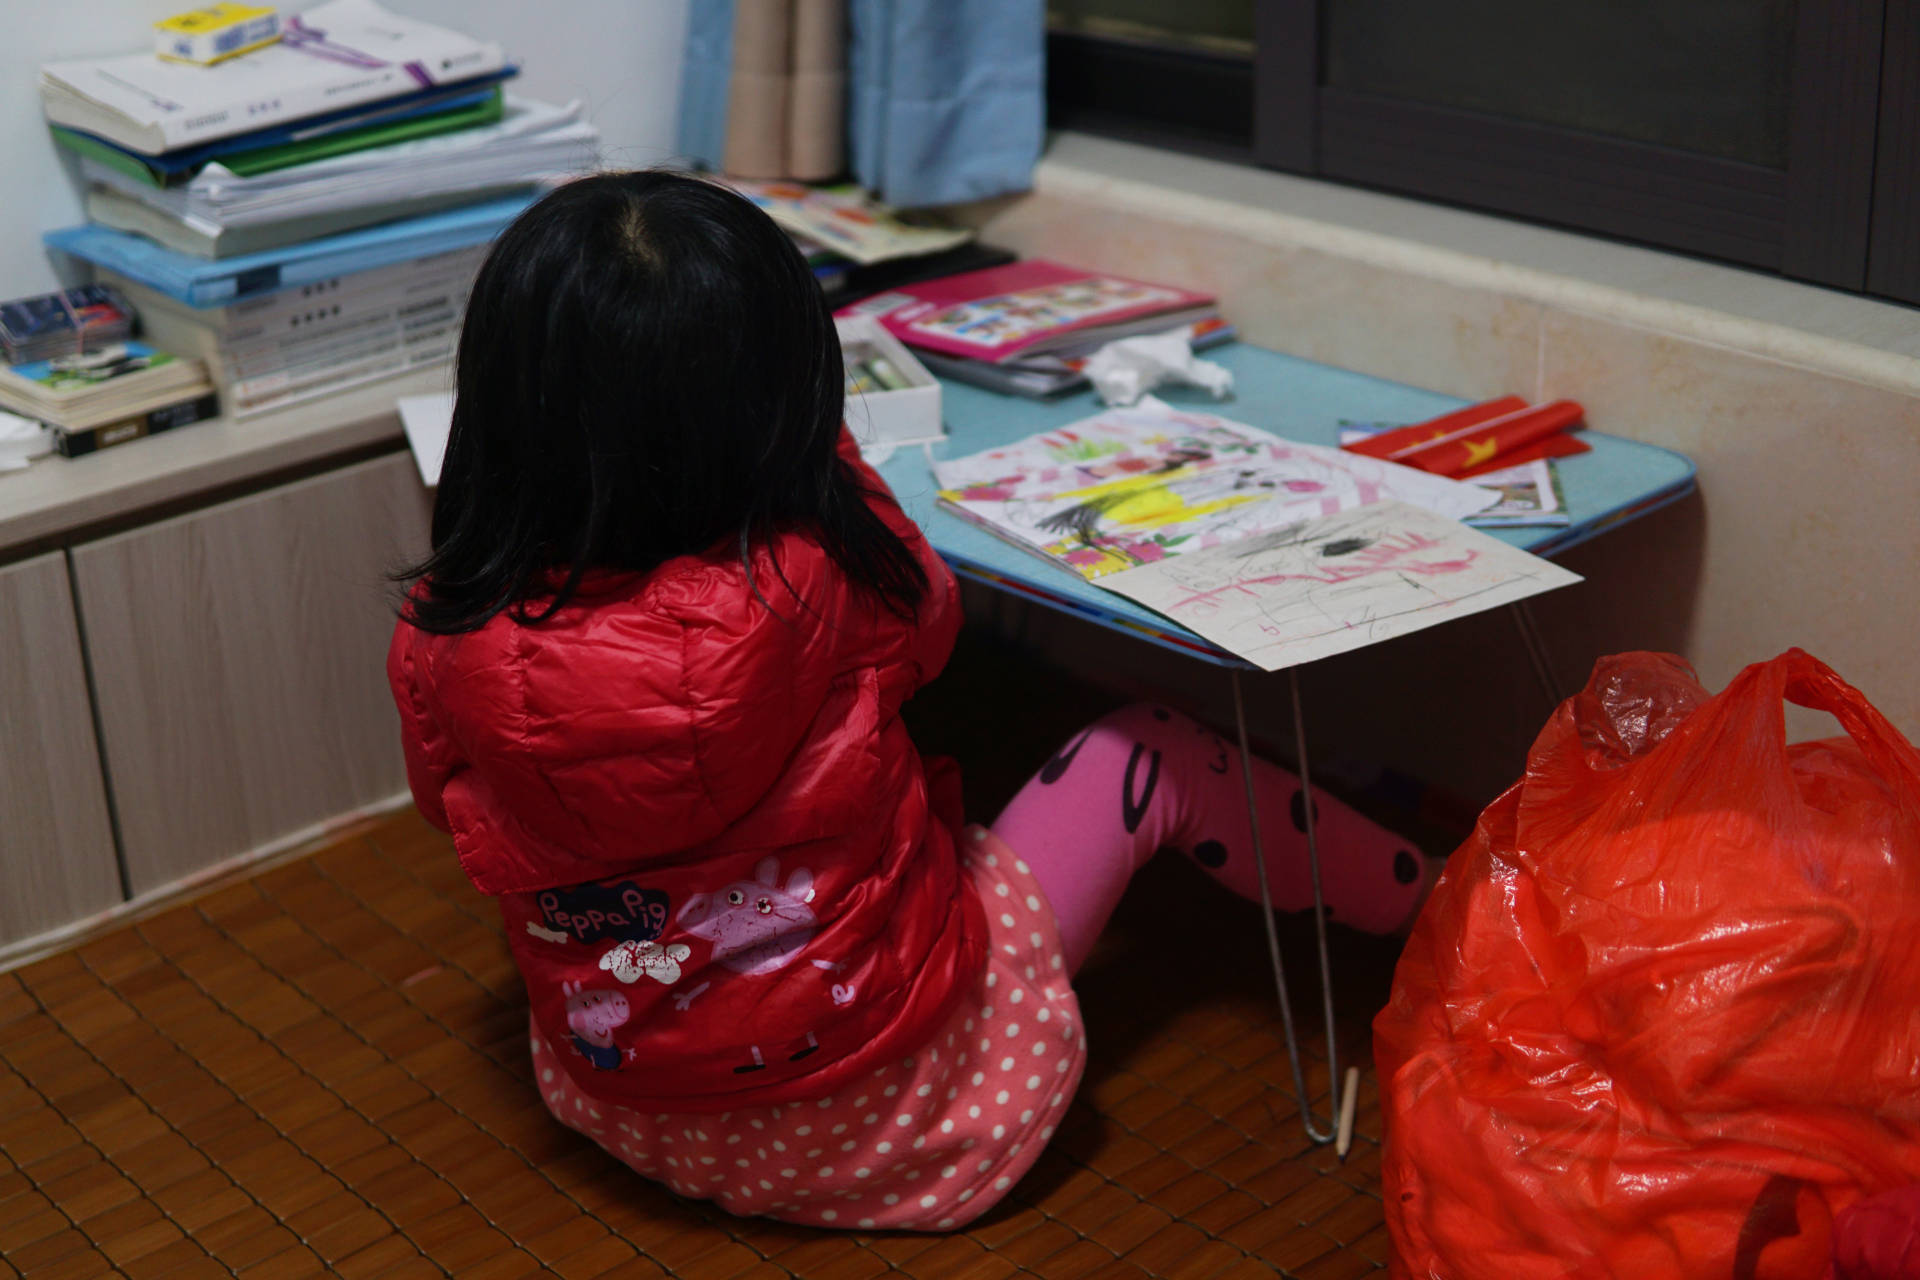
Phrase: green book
[287,154]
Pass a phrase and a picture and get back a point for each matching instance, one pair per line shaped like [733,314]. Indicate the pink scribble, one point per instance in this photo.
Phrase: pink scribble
[1304,486]
[1395,553]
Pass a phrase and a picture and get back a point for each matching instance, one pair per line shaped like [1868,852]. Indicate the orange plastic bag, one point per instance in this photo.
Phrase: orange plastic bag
[1661,1017]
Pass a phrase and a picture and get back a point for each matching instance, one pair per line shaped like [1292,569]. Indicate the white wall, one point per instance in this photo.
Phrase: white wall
[620,57]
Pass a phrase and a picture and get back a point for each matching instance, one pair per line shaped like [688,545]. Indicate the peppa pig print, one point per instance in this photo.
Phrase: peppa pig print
[756,926]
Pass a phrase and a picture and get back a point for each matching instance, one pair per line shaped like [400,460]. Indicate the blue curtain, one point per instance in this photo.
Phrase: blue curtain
[706,67]
[945,98]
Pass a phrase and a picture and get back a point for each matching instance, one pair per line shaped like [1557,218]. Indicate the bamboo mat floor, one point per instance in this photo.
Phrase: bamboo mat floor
[324,1069]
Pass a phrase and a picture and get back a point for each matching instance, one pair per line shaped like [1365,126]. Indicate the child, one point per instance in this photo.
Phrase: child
[650,679]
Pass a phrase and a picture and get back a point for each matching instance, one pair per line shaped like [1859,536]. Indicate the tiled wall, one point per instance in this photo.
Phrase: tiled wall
[1806,530]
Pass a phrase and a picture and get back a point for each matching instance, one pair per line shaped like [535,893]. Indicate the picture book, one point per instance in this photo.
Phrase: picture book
[85,389]
[1031,307]
[846,221]
[331,57]
[1329,584]
[1135,486]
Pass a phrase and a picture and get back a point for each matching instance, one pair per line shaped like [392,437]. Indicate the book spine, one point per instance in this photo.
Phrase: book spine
[75,444]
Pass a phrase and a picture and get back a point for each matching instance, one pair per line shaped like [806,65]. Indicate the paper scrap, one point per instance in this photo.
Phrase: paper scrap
[427,421]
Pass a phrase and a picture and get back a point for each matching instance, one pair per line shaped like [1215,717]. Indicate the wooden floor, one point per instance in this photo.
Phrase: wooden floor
[325,1069]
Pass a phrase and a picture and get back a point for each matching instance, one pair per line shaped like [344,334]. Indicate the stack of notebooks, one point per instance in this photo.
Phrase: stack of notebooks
[307,216]
[71,366]
[1029,328]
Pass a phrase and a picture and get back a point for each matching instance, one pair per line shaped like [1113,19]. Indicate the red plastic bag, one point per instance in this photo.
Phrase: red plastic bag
[1661,1017]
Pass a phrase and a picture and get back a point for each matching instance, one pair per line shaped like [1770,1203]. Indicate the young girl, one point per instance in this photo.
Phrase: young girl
[650,680]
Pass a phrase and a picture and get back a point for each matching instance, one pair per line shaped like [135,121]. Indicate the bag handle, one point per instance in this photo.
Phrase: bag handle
[1805,681]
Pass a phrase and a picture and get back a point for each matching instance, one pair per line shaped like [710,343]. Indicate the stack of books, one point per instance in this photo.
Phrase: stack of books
[71,366]
[309,215]
[1028,329]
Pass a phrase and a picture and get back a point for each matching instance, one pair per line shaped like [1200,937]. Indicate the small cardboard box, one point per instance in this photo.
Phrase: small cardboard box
[215,33]
[904,416]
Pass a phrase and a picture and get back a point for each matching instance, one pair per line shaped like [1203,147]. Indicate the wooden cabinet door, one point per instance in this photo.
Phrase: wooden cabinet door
[56,842]
[239,664]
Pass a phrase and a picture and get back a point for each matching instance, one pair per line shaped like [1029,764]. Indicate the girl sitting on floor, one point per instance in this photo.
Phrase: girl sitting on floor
[650,680]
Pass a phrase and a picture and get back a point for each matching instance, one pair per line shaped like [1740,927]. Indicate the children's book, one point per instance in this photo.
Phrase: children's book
[845,220]
[331,57]
[1044,376]
[1135,486]
[1529,494]
[1034,307]
[85,390]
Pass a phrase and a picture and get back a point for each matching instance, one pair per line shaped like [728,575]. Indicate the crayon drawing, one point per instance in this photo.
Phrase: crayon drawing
[1329,584]
[1135,486]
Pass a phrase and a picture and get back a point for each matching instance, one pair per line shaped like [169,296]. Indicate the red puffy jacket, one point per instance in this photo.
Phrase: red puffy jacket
[723,871]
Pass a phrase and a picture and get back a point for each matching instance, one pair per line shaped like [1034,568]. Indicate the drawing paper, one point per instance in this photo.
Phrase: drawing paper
[1329,584]
[1133,486]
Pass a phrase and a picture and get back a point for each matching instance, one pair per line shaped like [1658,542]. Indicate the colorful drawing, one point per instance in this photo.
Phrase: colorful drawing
[1329,584]
[1136,486]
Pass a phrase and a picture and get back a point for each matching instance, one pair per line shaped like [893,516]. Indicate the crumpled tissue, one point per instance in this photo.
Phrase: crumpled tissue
[1127,368]
[21,441]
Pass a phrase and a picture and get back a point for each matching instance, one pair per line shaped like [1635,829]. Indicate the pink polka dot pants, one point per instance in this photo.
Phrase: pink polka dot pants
[925,1144]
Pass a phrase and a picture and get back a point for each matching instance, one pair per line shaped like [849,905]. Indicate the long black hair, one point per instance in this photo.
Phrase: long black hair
[647,369]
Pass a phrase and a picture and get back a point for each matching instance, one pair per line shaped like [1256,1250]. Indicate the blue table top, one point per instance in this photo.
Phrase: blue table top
[1618,481]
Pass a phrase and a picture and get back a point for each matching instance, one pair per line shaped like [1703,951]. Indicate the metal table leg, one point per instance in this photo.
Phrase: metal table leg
[1536,645]
[1337,1087]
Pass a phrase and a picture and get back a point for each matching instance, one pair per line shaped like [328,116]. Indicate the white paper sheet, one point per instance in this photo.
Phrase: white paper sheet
[1330,584]
[427,421]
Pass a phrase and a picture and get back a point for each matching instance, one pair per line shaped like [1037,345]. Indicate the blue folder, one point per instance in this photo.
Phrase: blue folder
[201,283]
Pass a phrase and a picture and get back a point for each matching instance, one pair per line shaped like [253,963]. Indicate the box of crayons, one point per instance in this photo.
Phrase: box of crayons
[891,398]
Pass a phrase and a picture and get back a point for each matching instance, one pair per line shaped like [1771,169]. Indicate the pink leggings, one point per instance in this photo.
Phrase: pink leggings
[1145,778]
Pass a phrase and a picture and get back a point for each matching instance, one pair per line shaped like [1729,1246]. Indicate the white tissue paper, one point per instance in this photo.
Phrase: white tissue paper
[21,441]
[1127,368]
